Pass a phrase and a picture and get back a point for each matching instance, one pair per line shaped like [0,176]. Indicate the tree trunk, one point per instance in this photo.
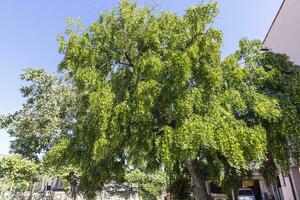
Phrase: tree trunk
[31,190]
[200,190]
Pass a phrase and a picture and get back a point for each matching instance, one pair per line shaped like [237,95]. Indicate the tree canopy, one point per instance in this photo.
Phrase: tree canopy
[19,171]
[45,117]
[148,90]
[283,138]
[153,91]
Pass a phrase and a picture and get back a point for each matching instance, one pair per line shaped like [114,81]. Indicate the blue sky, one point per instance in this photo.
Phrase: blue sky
[28,31]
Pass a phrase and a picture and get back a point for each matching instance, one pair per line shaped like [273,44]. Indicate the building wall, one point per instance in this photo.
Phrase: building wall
[295,172]
[284,35]
[286,187]
[266,190]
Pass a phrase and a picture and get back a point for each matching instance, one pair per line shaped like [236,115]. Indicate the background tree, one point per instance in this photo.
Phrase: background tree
[151,185]
[20,172]
[45,117]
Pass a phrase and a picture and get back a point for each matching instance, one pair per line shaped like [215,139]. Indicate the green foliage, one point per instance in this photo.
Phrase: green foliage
[278,79]
[151,185]
[19,170]
[152,91]
[283,84]
[146,89]
[45,116]
[180,187]
[269,171]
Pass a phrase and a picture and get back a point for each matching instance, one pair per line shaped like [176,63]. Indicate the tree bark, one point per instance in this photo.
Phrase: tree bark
[200,190]
[31,190]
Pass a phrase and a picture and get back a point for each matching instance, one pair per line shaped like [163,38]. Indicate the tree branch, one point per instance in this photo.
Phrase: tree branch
[129,59]
[192,41]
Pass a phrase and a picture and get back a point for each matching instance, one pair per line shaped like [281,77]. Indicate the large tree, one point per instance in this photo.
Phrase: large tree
[148,90]
[153,92]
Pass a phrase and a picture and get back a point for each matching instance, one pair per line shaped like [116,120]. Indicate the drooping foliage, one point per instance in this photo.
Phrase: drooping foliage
[275,76]
[283,84]
[154,92]
[148,90]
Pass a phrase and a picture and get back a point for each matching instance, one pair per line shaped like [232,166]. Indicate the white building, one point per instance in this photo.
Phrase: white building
[284,33]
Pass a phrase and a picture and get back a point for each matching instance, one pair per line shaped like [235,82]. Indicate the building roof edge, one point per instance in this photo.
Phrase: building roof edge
[282,4]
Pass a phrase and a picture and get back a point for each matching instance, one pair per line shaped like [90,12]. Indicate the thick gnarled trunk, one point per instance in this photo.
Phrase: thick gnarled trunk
[200,190]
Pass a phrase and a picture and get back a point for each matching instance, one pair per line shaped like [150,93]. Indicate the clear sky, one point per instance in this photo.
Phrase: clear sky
[28,31]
